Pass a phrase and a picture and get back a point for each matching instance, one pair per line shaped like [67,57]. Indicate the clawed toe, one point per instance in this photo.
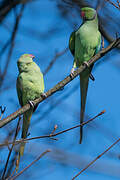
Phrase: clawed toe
[86,63]
[92,77]
[44,95]
[28,134]
[72,72]
[31,104]
[61,89]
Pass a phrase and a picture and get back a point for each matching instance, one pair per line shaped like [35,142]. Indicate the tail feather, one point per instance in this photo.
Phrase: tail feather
[26,123]
[84,80]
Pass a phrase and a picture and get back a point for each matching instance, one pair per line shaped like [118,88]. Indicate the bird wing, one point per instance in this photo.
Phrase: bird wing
[19,90]
[72,43]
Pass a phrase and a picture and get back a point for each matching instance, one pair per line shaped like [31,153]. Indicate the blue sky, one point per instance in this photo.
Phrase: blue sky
[41,17]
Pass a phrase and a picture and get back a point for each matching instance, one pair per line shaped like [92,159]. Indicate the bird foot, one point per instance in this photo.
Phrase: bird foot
[28,134]
[31,104]
[86,64]
[72,72]
[92,77]
[2,109]
[61,89]
[43,95]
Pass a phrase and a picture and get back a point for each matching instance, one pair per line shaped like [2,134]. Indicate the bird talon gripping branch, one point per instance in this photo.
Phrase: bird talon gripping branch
[72,72]
[86,64]
[43,95]
[31,104]
[61,89]
[92,77]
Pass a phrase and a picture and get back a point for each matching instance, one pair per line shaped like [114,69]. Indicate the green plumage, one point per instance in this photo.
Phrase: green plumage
[83,44]
[30,85]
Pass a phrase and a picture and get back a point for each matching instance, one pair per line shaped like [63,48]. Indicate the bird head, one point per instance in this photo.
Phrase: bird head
[24,61]
[26,58]
[88,13]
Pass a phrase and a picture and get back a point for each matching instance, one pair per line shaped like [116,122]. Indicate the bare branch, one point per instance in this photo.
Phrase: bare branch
[12,43]
[118,7]
[98,157]
[6,6]
[16,133]
[53,135]
[54,59]
[37,159]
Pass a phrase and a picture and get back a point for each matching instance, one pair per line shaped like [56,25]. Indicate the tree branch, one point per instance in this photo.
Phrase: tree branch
[55,134]
[16,133]
[57,55]
[6,6]
[98,157]
[12,39]
[117,6]
[37,159]
[61,84]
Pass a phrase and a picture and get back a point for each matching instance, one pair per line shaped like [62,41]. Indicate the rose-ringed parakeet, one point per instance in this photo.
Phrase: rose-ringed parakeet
[83,44]
[30,85]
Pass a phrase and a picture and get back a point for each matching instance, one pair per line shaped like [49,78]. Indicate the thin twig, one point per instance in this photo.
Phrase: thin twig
[56,134]
[98,157]
[7,6]
[16,133]
[37,159]
[61,84]
[118,3]
[55,127]
[118,7]
[54,59]
[15,29]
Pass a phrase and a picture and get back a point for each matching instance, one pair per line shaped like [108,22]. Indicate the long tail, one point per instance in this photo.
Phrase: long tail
[26,123]
[84,80]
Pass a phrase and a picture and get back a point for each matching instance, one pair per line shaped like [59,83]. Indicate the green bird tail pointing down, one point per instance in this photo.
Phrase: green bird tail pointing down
[84,81]
[26,122]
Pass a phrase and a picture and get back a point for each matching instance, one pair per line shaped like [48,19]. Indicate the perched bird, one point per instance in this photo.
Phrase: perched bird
[83,44]
[30,85]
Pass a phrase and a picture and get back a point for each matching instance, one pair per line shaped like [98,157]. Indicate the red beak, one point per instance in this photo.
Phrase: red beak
[82,14]
[32,56]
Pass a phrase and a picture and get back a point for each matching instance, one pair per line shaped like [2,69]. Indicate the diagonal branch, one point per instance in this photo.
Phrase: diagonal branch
[117,6]
[57,55]
[6,6]
[6,165]
[61,84]
[15,29]
[33,162]
[98,157]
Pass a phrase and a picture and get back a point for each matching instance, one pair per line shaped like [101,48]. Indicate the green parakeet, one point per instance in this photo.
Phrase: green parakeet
[30,85]
[83,44]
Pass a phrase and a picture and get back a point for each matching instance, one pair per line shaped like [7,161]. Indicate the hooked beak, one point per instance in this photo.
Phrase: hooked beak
[32,56]
[82,14]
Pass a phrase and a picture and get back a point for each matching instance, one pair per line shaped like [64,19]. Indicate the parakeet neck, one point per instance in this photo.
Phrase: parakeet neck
[93,22]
